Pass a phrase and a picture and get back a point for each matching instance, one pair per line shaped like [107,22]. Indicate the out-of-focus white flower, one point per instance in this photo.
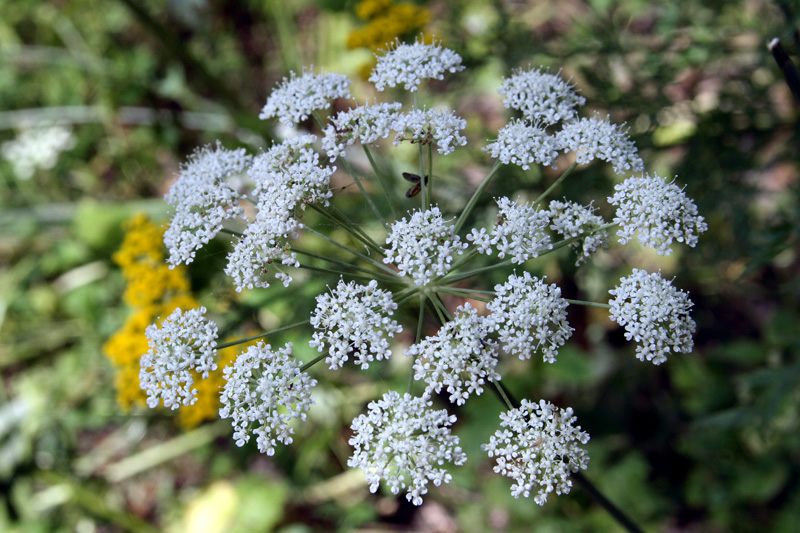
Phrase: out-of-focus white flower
[265,389]
[657,212]
[596,138]
[530,316]
[522,143]
[430,126]
[404,443]
[409,64]
[365,124]
[574,220]
[295,98]
[655,314]
[538,449]
[37,147]
[423,247]
[203,198]
[354,318]
[460,358]
[185,343]
[541,96]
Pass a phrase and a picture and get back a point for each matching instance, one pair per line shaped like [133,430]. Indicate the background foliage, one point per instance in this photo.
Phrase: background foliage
[706,442]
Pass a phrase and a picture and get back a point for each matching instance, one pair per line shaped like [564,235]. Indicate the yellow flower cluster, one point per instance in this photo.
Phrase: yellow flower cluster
[387,21]
[154,290]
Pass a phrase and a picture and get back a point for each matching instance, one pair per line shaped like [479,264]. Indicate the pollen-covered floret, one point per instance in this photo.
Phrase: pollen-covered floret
[365,124]
[522,143]
[185,342]
[530,317]
[404,443]
[354,319]
[538,449]
[541,96]
[657,211]
[655,314]
[519,232]
[409,64]
[460,358]
[423,246]
[294,99]
[265,389]
[573,220]
[203,198]
[596,138]
[430,126]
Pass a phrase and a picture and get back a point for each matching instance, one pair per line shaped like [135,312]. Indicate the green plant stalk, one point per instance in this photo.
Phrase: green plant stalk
[367,272]
[346,224]
[418,337]
[390,197]
[462,218]
[556,183]
[262,335]
[355,253]
[588,304]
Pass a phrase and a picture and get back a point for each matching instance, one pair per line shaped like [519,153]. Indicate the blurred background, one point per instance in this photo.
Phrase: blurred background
[103,99]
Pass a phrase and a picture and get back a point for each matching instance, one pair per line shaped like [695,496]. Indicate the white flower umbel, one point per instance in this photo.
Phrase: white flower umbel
[354,318]
[574,220]
[522,143]
[288,177]
[596,138]
[657,211]
[185,343]
[404,443]
[423,246]
[541,96]
[519,232]
[655,314]
[37,147]
[365,124]
[203,198]
[460,358]
[530,316]
[409,64]
[431,126]
[538,449]
[294,99]
[266,390]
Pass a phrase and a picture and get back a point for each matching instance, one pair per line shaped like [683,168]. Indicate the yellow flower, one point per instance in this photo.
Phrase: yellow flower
[369,8]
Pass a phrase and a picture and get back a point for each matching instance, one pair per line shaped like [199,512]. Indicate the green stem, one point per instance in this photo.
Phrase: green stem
[430,173]
[464,275]
[556,183]
[419,337]
[366,271]
[588,304]
[262,335]
[390,198]
[313,362]
[341,220]
[231,232]
[462,218]
[355,253]
[462,292]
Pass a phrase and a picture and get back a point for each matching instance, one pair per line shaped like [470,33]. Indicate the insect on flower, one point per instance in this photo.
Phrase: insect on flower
[417,181]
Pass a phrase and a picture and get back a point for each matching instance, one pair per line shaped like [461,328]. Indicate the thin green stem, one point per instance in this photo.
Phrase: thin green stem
[341,220]
[502,393]
[430,173]
[588,304]
[556,183]
[419,337]
[462,218]
[462,292]
[385,184]
[355,253]
[464,275]
[313,362]
[262,335]
[350,266]
[231,232]
[339,273]
[367,197]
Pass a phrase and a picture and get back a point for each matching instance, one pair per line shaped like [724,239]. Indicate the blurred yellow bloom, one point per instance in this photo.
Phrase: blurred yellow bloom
[387,23]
